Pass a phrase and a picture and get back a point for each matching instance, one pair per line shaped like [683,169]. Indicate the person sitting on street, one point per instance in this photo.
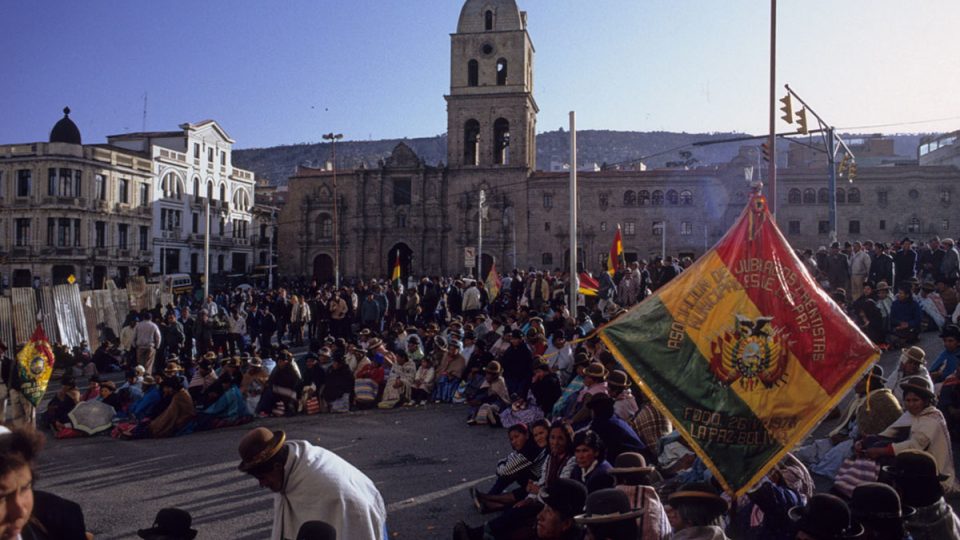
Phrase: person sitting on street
[905,318]
[618,436]
[824,517]
[594,383]
[946,362]
[635,478]
[148,405]
[520,465]
[920,485]
[912,364]
[591,458]
[877,508]
[609,516]
[486,405]
[336,392]
[254,382]
[280,397]
[66,398]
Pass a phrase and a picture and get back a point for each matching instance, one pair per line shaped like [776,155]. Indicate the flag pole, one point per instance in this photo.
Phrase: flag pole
[574,281]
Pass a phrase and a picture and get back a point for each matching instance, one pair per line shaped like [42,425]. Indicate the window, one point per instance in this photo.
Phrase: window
[76,232]
[793,227]
[100,187]
[629,198]
[546,226]
[401,221]
[52,181]
[823,227]
[643,197]
[547,201]
[883,225]
[823,196]
[488,20]
[914,225]
[853,196]
[122,235]
[144,231]
[22,232]
[794,197]
[210,191]
[401,191]
[945,196]
[210,155]
[221,227]
[945,225]
[686,228]
[196,150]
[195,228]
[809,196]
[124,191]
[841,196]
[325,226]
[657,198]
[603,226]
[196,187]
[23,182]
[223,193]
[914,194]
[673,197]
[854,226]
[501,142]
[66,186]
[502,72]
[686,198]
[100,234]
[263,230]
[223,158]
[51,231]
[657,228]
[471,143]
[604,200]
[629,228]
[473,73]
[546,259]
[144,194]
[882,197]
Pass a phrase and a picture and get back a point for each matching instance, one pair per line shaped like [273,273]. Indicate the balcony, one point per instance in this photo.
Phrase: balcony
[70,252]
[100,204]
[101,252]
[170,235]
[21,251]
[123,253]
[241,241]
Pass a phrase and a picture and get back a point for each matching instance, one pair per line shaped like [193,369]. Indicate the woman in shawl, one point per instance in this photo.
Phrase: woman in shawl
[399,383]
[763,512]
[524,463]
[176,416]
[230,409]
[423,382]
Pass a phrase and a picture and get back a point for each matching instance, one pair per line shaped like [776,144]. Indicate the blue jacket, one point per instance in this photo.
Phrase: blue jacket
[907,311]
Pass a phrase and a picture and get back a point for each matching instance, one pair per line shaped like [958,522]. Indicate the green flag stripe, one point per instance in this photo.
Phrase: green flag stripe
[714,416]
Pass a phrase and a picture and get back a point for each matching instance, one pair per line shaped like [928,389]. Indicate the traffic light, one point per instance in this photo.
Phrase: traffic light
[765,148]
[852,171]
[843,164]
[787,109]
[802,121]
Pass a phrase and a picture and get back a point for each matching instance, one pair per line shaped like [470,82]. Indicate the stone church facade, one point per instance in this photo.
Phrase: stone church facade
[429,214]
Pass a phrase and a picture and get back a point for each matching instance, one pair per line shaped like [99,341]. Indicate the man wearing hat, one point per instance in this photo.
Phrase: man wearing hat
[170,524]
[906,317]
[912,364]
[881,269]
[918,482]
[859,270]
[311,483]
[562,501]
[946,362]
[594,383]
[609,516]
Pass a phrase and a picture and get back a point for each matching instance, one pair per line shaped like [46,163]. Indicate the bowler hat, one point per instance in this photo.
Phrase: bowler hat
[440,343]
[950,330]
[618,378]
[374,343]
[699,493]
[316,530]
[172,367]
[516,334]
[883,286]
[364,332]
[596,370]
[630,463]
[876,373]
[494,368]
[172,523]
[876,501]
[255,362]
[455,343]
[915,464]
[258,446]
[918,385]
[149,380]
[825,517]
[565,496]
[580,359]
[913,354]
[608,506]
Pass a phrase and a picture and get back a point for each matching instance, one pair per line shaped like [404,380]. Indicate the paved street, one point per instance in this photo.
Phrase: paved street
[423,460]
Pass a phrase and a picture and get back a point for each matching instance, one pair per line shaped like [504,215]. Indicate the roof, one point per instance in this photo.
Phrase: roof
[506,16]
[146,135]
[65,131]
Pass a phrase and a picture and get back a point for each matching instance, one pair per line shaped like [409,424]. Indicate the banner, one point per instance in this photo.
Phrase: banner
[493,283]
[395,275]
[588,285]
[35,365]
[616,253]
[743,351]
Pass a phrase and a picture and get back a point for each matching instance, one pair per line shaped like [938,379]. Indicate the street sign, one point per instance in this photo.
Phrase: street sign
[470,257]
[71,279]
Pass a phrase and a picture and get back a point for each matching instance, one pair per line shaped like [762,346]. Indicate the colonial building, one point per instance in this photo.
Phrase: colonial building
[197,188]
[68,209]
[430,214]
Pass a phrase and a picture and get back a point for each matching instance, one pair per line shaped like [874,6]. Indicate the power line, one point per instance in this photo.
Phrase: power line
[895,124]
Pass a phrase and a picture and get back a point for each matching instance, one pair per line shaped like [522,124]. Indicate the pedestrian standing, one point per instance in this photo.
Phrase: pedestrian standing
[147,340]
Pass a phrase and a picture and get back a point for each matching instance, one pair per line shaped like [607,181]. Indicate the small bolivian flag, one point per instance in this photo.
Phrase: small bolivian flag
[742,351]
[35,365]
[395,275]
[493,283]
[616,253]
[588,285]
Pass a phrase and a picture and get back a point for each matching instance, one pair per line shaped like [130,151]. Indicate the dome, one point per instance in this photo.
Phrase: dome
[65,131]
[505,16]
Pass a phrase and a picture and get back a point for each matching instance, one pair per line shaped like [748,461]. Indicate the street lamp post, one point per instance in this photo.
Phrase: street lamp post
[333,138]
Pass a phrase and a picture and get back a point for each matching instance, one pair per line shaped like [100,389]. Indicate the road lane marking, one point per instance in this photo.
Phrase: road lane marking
[428,497]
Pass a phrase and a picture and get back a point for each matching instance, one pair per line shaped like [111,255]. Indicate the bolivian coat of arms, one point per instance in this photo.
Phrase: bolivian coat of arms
[753,354]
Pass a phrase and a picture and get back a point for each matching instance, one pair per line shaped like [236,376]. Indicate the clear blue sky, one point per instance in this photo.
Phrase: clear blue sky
[275,72]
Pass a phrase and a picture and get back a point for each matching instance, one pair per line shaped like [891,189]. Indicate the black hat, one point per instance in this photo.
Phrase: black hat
[565,496]
[950,330]
[312,356]
[919,385]
[618,379]
[316,530]
[825,517]
[876,373]
[699,493]
[516,334]
[608,506]
[835,245]
[875,501]
[171,523]
[581,359]
[915,464]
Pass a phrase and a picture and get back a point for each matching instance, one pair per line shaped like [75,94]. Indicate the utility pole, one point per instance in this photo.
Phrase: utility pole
[333,138]
[574,278]
[483,200]
[772,137]
[273,260]
[206,253]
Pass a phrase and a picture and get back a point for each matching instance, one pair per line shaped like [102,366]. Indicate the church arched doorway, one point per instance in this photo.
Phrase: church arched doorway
[485,266]
[323,268]
[406,260]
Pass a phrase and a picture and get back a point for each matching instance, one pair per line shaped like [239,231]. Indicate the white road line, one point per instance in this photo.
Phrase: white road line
[428,497]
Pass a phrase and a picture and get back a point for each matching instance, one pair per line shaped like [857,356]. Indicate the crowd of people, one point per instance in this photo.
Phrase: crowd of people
[589,455]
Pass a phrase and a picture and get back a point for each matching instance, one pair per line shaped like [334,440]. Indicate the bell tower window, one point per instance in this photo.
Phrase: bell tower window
[502,72]
[488,20]
[471,143]
[473,73]
[501,141]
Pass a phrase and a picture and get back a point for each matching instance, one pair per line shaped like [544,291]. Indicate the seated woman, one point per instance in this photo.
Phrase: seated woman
[449,373]
[253,382]
[927,431]
[399,384]
[147,406]
[281,397]
[60,405]
[485,406]
[524,462]
[905,318]
[93,391]
[590,455]
[335,395]
[423,382]
[230,409]
[175,417]
[370,376]
[521,411]
[108,395]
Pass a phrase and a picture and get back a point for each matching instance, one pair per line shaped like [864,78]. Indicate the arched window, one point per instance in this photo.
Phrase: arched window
[629,198]
[657,198]
[488,20]
[841,196]
[823,195]
[502,72]
[324,226]
[473,73]
[672,197]
[643,197]
[501,142]
[686,198]
[795,197]
[546,259]
[196,187]
[809,196]
[914,226]
[401,221]
[210,190]
[471,143]
[853,196]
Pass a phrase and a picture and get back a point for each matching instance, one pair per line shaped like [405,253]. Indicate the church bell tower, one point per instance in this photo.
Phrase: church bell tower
[491,113]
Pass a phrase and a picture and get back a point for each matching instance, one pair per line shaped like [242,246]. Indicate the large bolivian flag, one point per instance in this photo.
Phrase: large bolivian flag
[743,351]
[35,365]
